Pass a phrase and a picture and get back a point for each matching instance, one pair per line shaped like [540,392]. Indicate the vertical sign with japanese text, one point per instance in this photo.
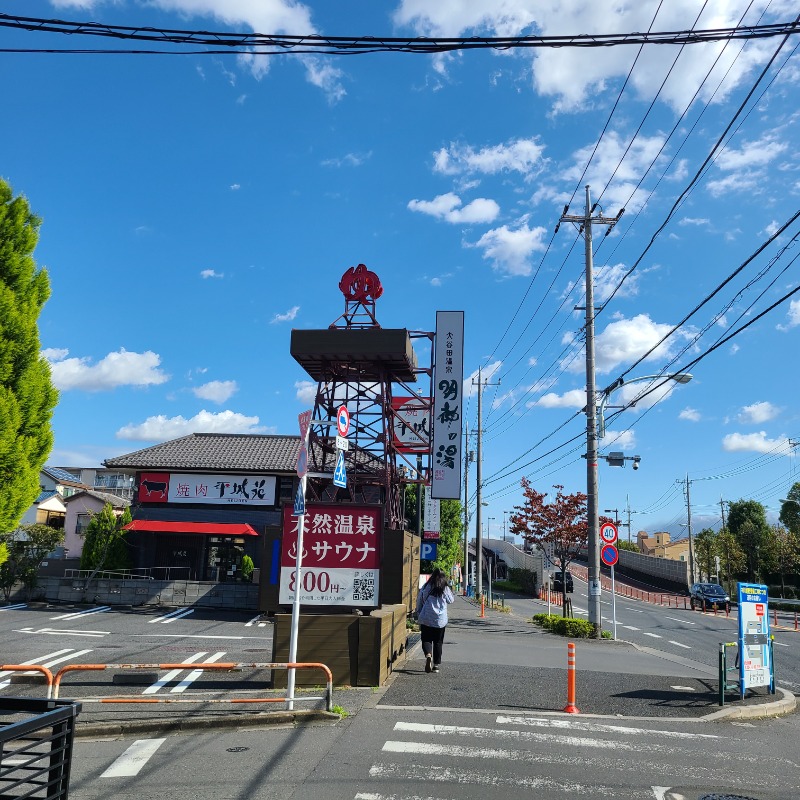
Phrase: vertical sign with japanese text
[431,528]
[447,413]
[754,651]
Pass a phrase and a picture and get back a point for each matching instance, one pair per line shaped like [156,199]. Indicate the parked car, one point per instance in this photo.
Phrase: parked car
[708,595]
[560,585]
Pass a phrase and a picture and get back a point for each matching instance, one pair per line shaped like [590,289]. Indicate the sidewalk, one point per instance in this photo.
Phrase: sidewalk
[503,662]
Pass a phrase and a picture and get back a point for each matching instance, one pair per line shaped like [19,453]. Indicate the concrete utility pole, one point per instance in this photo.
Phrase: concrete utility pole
[479,491]
[469,456]
[628,510]
[586,220]
[688,483]
[722,510]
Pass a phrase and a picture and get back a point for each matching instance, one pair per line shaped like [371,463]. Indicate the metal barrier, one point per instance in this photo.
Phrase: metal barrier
[36,753]
[54,682]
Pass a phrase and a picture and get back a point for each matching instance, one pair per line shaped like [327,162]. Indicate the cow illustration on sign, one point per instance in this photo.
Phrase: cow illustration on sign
[360,284]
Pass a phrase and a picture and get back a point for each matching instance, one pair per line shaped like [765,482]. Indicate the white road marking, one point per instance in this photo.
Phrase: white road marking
[195,674]
[172,674]
[173,615]
[13,608]
[192,636]
[64,631]
[684,621]
[683,688]
[780,644]
[184,613]
[85,613]
[637,610]
[654,635]
[600,727]
[678,644]
[515,735]
[133,759]
[253,621]
[631,627]
[37,660]
[42,661]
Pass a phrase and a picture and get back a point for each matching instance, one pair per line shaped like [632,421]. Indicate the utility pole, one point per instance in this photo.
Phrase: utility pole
[470,455]
[722,510]
[687,485]
[479,489]
[628,510]
[586,220]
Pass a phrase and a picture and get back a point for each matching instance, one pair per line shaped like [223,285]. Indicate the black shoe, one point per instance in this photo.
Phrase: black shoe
[428,663]
[435,667]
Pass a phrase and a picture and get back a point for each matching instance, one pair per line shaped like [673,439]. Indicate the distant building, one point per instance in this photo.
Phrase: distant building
[100,479]
[80,507]
[658,545]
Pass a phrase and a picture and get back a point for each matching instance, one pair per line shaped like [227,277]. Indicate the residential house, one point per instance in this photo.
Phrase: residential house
[80,507]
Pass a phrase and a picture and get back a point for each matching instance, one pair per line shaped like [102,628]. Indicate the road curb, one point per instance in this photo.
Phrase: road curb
[89,730]
[774,708]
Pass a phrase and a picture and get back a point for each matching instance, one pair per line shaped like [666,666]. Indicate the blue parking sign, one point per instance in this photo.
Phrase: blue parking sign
[428,551]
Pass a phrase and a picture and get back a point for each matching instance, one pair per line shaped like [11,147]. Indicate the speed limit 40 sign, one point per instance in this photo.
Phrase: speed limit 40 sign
[608,532]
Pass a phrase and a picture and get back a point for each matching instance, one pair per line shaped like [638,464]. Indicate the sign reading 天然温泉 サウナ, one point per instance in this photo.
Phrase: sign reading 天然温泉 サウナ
[166,487]
[341,556]
[448,380]
[755,668]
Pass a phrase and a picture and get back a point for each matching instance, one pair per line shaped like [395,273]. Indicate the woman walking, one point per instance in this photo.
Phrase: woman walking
[431,613]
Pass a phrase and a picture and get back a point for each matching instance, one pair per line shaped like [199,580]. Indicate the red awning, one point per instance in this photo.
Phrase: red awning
[208,528]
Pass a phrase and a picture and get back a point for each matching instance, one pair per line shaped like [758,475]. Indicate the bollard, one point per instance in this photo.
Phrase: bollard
[483,607]
[795,620]
[775,617]
[571,708]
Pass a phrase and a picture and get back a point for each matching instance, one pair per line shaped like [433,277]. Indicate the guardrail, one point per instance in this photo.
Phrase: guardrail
[54,681]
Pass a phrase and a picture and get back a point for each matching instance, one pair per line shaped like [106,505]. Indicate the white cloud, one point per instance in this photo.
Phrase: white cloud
[619,440]
[216,391]
[287,317]
[625,340]
[694,221]
[448,207]
[772,228]
[575,398]
[744,168]
[756,443]
[510,250]
[306,392]
[757,413]
[521,155]
[470,388]
[210,273]
[116,369]
[691,414]
[572,76]
[161,428]
[234,187]
[792,316]
[734,349]
[348,160]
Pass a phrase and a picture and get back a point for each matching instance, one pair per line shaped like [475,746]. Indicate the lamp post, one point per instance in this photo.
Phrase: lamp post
[678,377]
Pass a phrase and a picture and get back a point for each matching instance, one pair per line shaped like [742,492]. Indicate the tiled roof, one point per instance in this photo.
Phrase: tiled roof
[214,452]
[45,496]
[115,500]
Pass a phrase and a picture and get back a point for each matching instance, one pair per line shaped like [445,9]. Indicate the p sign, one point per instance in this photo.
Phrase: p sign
[428,551]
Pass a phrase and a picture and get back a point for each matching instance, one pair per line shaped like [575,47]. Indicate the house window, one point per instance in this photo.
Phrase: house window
[286,490]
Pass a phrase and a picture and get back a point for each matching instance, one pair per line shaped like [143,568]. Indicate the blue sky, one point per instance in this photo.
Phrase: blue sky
[198,207]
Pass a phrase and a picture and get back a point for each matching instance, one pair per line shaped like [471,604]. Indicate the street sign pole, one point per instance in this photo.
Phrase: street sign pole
[613,604]
[305,424]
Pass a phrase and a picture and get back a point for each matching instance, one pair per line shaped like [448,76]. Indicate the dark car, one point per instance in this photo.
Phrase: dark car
[708,595]
[559,582]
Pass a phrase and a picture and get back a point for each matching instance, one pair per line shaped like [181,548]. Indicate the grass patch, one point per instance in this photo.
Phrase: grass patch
[340,711]
[508,586]
[565,626]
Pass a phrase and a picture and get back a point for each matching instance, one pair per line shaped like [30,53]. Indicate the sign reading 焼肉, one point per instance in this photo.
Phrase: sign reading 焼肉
[166,487]
[755,668]
[341,556]
[448,388]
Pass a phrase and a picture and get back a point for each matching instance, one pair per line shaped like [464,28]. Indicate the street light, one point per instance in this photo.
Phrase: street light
[678,377]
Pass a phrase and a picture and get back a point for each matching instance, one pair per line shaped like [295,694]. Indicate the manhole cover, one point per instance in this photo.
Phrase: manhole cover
[237,749]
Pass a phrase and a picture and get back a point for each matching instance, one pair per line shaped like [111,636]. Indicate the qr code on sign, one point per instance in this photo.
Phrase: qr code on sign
[363,588]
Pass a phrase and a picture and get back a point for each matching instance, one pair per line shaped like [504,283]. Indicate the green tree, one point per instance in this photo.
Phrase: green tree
[104,546]
[27,394]
[450,547]
[27,547]
[747,521]
[705,548]
[790,510]
[781,553]
[624,544]
[733,560]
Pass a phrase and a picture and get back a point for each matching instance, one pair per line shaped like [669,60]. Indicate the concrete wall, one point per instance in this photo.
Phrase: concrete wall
[517,558]
[661,571]
[145,593]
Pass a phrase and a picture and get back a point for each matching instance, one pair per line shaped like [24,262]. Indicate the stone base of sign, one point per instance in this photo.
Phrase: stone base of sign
[360,650]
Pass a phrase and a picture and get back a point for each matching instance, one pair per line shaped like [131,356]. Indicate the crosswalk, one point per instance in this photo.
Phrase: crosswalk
[553,757]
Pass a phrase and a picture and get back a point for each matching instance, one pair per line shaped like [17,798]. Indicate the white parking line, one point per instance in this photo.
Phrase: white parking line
[85,613]
[14,607]
[253,621]
[42,660]
[133,759]
[195,674]
[172,674]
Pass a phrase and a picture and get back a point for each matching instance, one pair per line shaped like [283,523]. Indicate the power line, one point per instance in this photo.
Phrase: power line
[283,44]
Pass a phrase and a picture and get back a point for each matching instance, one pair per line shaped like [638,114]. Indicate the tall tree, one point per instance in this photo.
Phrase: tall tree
[732,558]
[560,527]
[450,547]
[747,521]
[28,546]
[782,553]
[790,510]
[705,548]
[27,394]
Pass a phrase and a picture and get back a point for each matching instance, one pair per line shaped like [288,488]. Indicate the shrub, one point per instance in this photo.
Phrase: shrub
[565,626]
[247,569]
[525,579]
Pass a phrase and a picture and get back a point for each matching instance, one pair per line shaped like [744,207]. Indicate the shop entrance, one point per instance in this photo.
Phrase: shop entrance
[224,563]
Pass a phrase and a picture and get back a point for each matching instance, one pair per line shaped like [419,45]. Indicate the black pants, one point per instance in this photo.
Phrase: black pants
[432,641]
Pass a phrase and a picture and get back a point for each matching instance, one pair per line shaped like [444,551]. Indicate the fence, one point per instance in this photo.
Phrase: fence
[54,681]
[36,748]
